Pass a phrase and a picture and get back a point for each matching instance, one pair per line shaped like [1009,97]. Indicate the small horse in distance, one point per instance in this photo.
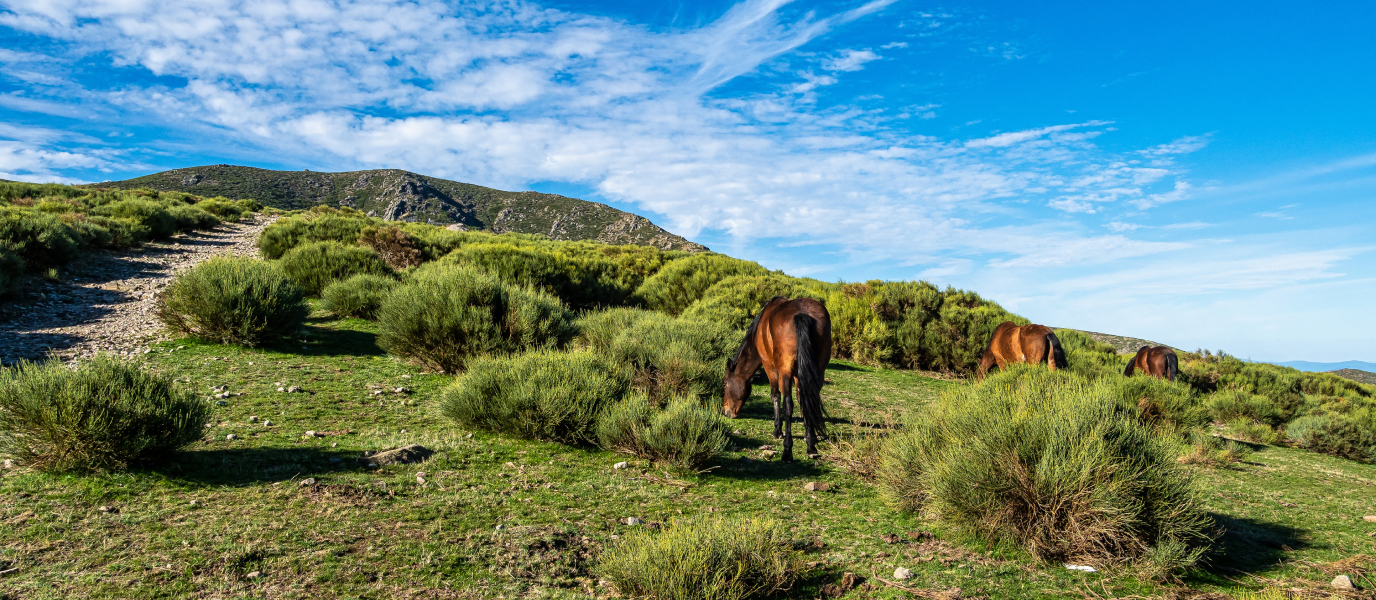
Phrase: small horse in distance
[1031,344]
[791,339]
[1159,362]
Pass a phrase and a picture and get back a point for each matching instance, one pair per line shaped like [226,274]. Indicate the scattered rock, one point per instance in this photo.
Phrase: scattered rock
[766,447]
[621,465]
[221,403]
[8,464]
[254,575]
[402,390]
[737,432]
[632,521]
[307,481]
[401,456]
[768,454]
[1369,518]
[902,573]
[194,503]
[1343,582]
[1085,568]
[267,423]
[294,389]
[817,486]
[468,437]
[501,527]
[420,479]
[253,418]
[312,434]
[510,465]
[108,509]
[231,437]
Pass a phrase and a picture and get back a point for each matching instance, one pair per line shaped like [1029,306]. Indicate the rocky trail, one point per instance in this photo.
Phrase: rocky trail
[104,302]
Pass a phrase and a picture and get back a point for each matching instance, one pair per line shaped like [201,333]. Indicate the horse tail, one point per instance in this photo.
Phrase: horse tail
[1172,367]
[809,374]
[1132,362]
[1056,355]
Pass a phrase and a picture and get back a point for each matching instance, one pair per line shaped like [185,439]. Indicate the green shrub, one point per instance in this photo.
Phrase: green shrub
[249,205]
[104,414]
[288,233]
[703,559]
[191,217]
[684,434]
[41,239]
[1212,451]
[1048,460]
[1090,358]
[233,301]
[445,316]
[1157,401]
[160,223]
[666,357]
[359,296]
[735,300]
[682,282]
[224,210]
[11,272]
[124,233]
[316,265]
[1250,430]
[538,395]
[1229,405]
[1345,436]
[580,281]
[598,329]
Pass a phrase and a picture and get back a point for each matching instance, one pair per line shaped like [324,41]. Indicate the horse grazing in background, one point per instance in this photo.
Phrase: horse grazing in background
[1158,362]
[791,339]
[1031,344]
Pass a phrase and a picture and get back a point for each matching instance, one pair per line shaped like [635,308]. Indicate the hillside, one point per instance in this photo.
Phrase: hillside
[1356,375]
[1123,344]
[399,195]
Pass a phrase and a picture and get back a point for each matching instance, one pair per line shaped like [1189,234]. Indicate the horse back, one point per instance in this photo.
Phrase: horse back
[777,341]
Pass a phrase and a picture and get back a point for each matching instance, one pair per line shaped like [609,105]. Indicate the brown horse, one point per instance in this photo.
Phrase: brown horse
[791,339]
[1031,344]
[1158,362]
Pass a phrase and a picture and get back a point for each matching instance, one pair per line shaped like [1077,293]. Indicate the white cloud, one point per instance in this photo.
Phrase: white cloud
[1184,145]
[1004,140]
[849,60]
[1120,226]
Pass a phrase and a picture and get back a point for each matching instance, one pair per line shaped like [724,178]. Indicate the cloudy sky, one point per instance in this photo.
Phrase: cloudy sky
[1200,174]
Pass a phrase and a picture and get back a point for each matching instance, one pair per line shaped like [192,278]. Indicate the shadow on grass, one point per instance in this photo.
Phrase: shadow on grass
[835,366]
[1248,545]
[248,466]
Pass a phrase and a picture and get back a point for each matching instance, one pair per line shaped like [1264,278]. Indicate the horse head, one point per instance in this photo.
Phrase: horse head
[737,390]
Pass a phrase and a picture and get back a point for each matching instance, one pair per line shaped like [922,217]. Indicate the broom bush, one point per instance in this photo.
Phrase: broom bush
[233,301]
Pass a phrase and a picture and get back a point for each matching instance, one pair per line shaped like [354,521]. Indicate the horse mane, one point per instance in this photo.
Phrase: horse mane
[750,333]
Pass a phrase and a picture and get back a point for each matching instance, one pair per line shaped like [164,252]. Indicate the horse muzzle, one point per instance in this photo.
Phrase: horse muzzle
[730,414]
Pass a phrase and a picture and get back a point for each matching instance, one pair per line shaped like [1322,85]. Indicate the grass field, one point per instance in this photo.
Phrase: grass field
[500,517]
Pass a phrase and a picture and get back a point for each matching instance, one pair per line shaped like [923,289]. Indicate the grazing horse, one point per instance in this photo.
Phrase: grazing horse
[1031,344]
[791,339]
[1158,362]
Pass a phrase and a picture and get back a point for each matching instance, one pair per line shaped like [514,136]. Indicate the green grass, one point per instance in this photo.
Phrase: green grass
[364,533]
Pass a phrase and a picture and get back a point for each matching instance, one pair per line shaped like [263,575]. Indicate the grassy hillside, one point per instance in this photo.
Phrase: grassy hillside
[276,514]
[398,195]
[1357,375]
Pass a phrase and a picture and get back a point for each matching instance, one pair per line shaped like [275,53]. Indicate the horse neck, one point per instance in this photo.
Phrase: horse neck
[748,360]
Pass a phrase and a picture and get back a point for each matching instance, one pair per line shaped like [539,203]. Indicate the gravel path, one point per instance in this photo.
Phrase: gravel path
[104,302]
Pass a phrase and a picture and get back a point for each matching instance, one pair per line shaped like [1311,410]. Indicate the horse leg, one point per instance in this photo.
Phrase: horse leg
[810,436]
[788,416]
[774,395]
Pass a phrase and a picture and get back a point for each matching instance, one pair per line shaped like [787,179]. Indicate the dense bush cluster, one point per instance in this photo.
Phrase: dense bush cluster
[316,265]
[360,296]
[1050,461]
[704,558]
[45,226]
[102,415]
[233,301]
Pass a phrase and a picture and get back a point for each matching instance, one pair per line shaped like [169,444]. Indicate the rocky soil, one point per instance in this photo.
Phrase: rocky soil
[104,302]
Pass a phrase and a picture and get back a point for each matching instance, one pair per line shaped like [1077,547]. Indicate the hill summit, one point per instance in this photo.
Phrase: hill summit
[398,195]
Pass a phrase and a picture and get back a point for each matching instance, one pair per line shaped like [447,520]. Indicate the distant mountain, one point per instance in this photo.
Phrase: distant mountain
[1123,344]
[1322,367]
[1357,375]
[398,195]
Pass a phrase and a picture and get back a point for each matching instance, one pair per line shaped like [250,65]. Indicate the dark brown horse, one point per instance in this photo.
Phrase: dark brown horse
[1031,344]
[791,339]
[1158,362]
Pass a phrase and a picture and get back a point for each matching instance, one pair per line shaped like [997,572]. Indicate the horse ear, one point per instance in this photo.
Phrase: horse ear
[730,365]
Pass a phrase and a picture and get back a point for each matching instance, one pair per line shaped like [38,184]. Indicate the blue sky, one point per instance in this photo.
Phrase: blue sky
[1201,175]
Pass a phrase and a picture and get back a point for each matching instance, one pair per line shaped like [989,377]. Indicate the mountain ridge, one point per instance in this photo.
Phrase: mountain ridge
[398,195]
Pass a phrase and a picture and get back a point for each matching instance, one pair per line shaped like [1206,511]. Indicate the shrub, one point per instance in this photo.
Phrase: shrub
[1230,405]
[124,233]
[1157,401]
[538,395]
[359,296]
[233,301]
[11,272]
[104,414]
[1048,460]
[1212,451]
[191,217]
[580,281]
[316,265]
[684,281]
[735,300]
[684,434]
[288,233]
[249,205]
[1336,434]
[445,316]
[598,329]
[859,453]
[666,357]
[393,245]
[41,239]
[160,223]
[703,559]
[222,209]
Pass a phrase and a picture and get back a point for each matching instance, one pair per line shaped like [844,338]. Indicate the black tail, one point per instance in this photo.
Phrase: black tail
[1172,367]
[809,375]
[1057,353]
[1132,362]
